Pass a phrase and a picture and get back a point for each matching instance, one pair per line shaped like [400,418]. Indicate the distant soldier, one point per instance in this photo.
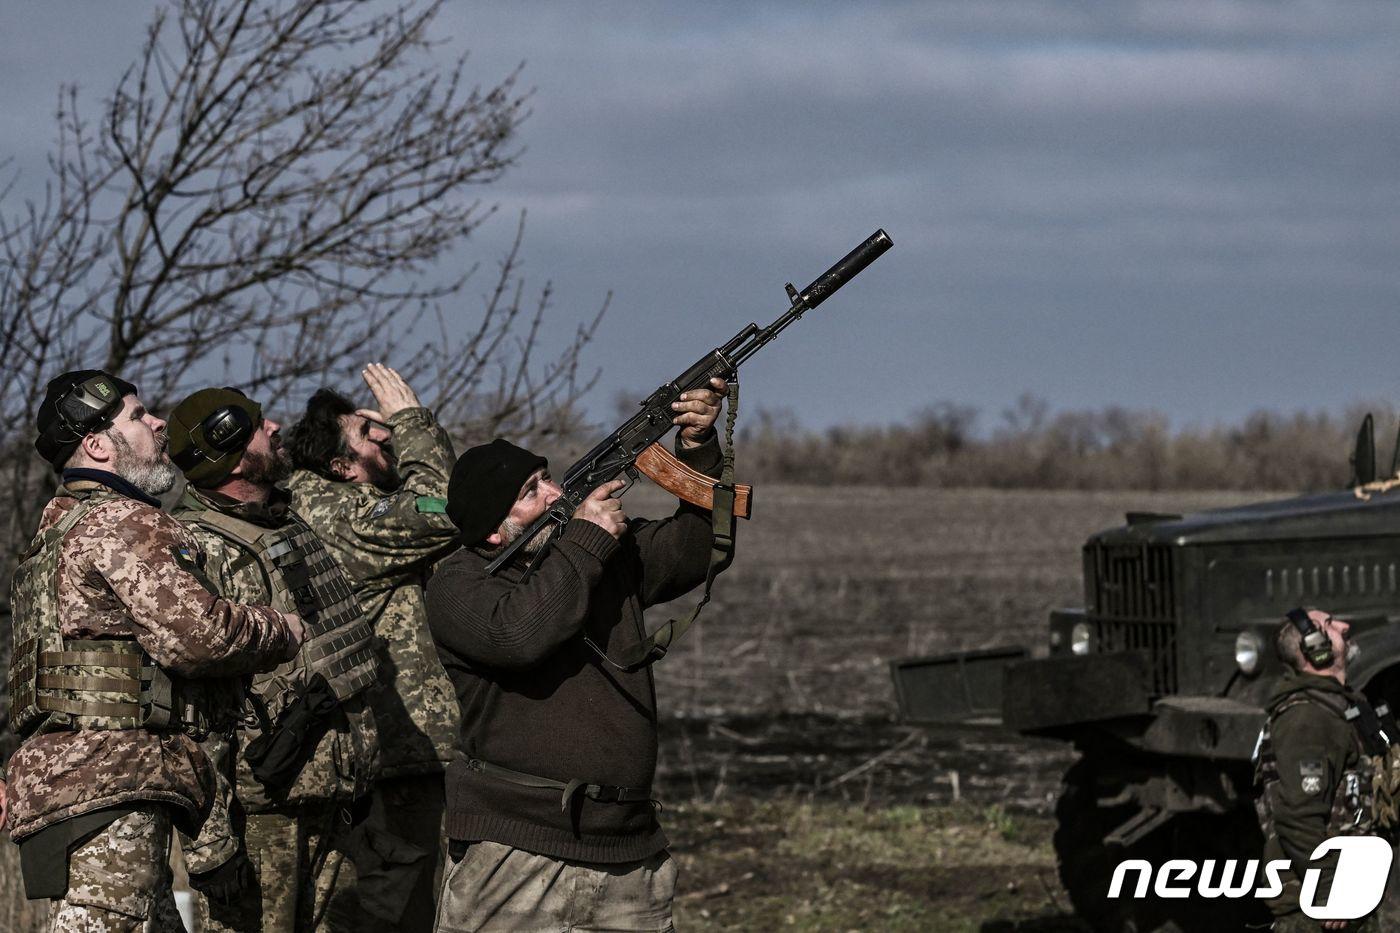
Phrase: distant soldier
[373,485]
[114,624]
[1320,753]
[306,753]
[550,807]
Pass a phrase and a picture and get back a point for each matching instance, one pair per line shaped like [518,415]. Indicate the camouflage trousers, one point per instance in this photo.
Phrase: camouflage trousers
[300,860]
[397,852]
[119,880]
[493,887]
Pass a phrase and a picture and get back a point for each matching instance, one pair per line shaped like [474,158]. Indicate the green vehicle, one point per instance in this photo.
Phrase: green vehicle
[1159,680]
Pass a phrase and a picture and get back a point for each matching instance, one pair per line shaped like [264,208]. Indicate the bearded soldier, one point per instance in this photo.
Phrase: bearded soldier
[550,808]
[1323,754]
[307,748]
[114,624]
[373,483]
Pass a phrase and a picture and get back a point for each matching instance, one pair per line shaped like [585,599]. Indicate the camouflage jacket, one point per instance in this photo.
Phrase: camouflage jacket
[123,573]
[345,762]
[388,543]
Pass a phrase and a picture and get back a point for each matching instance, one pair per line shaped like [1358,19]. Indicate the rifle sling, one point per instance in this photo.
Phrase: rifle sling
[722,524]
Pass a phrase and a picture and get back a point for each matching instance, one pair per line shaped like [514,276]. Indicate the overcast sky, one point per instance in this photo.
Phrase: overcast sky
[1190,207]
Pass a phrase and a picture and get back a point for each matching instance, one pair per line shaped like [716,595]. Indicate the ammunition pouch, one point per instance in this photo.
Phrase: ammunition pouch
[111,684]
[276,757]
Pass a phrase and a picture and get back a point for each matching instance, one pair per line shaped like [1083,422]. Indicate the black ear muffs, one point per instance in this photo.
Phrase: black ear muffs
[223,430]
[87,407]
[1317,647]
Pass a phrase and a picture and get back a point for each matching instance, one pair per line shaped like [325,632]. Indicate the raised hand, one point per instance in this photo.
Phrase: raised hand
[697,410]
[391,393]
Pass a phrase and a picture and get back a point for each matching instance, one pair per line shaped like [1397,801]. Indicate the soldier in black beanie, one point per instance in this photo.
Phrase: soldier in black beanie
[550,811]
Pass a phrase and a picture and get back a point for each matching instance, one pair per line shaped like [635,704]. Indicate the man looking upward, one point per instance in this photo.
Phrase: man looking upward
[550,810]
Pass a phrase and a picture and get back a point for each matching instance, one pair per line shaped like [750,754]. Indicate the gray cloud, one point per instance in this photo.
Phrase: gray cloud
[1166,205]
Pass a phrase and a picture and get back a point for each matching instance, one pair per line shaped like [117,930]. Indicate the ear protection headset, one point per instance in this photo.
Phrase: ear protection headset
[85,408]
[1317,647]
[222,431]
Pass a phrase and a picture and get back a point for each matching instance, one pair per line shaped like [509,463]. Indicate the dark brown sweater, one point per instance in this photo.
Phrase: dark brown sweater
[537,699]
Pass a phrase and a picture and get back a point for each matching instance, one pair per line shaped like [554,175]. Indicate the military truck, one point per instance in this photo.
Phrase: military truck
[1159,680]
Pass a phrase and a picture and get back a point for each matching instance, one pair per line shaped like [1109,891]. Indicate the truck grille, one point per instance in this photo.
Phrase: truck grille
[1133,582]
[1132,592]
[1158,639]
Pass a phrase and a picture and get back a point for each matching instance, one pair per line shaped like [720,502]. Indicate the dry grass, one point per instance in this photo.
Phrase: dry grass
[832,583]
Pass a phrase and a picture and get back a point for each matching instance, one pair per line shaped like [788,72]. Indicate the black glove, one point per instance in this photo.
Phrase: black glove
[227,883]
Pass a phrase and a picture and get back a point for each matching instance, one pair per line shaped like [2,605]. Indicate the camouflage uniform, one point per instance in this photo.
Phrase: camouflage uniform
[1314,781]
[388,543]
[128,571]
[120,879]
[298,838]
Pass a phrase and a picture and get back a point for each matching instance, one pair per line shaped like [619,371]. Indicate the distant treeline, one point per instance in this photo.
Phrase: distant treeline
[1033,447]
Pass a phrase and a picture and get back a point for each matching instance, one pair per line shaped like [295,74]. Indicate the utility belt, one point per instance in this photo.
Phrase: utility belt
[602,793]
[113,684]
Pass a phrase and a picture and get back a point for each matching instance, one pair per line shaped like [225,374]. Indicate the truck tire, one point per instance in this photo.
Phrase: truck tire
[1086,863]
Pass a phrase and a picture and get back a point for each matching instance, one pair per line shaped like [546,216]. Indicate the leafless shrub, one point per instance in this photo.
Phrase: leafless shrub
[1034,448]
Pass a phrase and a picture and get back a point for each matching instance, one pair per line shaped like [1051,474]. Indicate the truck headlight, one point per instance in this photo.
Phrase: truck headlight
[1249,649]
[1080,638]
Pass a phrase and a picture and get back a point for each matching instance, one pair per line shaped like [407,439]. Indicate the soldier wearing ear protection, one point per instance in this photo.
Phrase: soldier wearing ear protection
[77,404]
[1319,757]
[307,749]
[119,650]
[209,432]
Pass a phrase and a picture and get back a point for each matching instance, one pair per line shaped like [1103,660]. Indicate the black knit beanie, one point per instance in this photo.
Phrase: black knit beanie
[485,483]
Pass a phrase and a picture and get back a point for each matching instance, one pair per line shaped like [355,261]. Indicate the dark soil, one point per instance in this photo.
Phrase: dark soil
[870,760]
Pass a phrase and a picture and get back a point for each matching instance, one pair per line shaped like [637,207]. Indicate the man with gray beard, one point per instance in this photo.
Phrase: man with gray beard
[307,750]
[550,809]
[120,648]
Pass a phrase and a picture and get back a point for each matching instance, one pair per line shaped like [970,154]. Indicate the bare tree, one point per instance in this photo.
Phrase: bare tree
[268,198]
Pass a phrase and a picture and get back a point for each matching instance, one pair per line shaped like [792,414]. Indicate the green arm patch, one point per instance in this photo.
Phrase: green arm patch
[431,504]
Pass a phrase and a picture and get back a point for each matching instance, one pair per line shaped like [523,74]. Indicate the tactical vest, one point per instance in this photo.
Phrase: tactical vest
[1354,809]
[305,579]
[59,683]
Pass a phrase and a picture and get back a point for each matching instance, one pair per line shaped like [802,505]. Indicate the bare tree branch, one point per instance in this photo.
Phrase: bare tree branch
[268,199]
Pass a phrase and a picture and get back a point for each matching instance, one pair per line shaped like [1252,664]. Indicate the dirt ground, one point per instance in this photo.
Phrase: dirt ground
[795,798]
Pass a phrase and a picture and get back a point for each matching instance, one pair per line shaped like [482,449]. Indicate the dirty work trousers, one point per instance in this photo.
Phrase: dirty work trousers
[487,886]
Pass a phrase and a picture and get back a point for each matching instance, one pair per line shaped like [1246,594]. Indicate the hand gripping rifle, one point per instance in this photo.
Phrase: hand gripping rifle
[633,447]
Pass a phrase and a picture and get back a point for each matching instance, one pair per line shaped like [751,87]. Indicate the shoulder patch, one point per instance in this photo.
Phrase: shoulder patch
[432,504]
[186,560]
[1310,773]
[380,508]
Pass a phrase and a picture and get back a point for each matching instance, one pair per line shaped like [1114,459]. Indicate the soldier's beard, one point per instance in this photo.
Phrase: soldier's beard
[153,476]
[384,477]
[510,532]
[266,469]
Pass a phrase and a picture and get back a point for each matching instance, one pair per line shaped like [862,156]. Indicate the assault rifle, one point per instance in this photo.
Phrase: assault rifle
[633,449]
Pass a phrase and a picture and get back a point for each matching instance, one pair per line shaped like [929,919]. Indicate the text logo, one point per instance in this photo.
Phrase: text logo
[1363,865]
